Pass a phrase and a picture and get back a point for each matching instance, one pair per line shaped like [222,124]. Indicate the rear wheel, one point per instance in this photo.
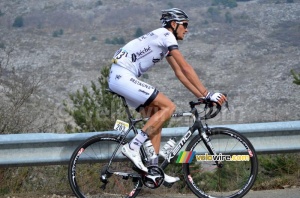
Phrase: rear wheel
[87,170]
[237,172]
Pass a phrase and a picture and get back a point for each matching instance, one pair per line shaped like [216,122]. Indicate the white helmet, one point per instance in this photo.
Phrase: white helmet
[173,14]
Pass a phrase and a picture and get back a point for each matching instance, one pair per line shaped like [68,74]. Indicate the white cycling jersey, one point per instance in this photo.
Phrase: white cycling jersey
[142,53]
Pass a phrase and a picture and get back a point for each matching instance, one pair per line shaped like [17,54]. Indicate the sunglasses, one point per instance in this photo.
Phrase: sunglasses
[185,25]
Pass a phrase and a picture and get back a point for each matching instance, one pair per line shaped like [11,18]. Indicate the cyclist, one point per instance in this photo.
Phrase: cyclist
[134,59]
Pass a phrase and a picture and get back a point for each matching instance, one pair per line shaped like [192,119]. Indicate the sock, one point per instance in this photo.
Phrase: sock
[153,160]
[138,140]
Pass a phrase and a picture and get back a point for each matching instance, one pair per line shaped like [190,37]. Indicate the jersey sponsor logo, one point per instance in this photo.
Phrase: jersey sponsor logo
[143,70]
[118,77]
[133,58]
[156,60]
[146,36]
[143,91]
[143,52]
[142,84]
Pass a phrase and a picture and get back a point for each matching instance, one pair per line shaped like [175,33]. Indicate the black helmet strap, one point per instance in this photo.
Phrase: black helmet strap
[175,30]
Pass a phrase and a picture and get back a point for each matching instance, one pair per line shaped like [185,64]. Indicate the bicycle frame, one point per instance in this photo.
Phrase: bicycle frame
[197,125]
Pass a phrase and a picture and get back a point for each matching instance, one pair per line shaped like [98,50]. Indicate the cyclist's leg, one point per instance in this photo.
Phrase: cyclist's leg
[155,138]
[138,94]
[164,108]
[159,111]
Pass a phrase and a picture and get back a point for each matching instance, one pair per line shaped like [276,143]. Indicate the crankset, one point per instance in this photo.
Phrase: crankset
[154,178]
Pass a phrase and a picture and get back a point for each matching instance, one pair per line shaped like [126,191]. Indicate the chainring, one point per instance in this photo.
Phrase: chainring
[154,178]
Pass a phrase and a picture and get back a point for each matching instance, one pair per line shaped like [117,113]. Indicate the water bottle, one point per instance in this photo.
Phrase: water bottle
[167,148]
[149,149]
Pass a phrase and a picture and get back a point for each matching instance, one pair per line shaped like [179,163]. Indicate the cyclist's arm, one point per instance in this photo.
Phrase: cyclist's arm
[186,74]
[182,78]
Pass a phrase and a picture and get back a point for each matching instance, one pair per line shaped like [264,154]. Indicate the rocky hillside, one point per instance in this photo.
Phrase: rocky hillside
[246,51]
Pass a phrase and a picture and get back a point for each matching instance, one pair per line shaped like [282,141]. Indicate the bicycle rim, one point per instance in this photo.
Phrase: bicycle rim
[88,163]
[239,165]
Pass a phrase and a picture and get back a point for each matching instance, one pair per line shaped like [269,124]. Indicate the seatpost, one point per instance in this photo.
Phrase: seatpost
[126,108]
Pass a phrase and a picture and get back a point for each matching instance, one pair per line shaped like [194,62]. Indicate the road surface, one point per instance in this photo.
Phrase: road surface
[280,193]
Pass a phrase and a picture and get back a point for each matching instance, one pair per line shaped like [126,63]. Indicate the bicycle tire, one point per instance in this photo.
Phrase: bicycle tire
[235,178]
[88,161]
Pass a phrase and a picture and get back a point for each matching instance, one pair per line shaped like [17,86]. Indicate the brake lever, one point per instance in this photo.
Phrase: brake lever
[227,105]
[226,102]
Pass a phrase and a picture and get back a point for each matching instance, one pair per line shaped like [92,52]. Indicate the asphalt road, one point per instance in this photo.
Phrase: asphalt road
[279,193]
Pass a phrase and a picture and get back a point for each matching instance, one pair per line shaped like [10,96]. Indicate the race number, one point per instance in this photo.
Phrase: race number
[121,126]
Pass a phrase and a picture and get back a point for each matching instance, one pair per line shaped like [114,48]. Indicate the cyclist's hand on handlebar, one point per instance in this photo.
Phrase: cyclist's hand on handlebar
[216,97]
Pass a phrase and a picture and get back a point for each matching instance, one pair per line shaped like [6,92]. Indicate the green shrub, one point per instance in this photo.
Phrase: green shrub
[213,11]
[170,4]
[55,34]
[278,165]
[277,170]
[58,33]
[99,3]
[2,45]
[18,22]
[228,17]
[93,38]
[61,32]
[296,77]
[115,41]
[139,32]
[107,41]
[94,109]
[119,41]
[231,3]
[225,3]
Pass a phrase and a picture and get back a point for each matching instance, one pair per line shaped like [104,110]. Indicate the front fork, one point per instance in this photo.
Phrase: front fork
[205,134]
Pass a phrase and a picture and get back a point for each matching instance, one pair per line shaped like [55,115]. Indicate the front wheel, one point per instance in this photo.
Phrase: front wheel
[88,170]
[237,169]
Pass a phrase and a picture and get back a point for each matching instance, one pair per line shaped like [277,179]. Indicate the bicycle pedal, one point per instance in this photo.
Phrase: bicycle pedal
[168,185]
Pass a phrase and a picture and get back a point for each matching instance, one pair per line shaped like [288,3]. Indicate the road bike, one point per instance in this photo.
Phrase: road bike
[222,162]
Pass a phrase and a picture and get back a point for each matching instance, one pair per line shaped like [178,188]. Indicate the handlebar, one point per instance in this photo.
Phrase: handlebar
[210,112]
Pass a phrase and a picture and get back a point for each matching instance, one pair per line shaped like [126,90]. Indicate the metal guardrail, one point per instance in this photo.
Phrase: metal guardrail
[53,148]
